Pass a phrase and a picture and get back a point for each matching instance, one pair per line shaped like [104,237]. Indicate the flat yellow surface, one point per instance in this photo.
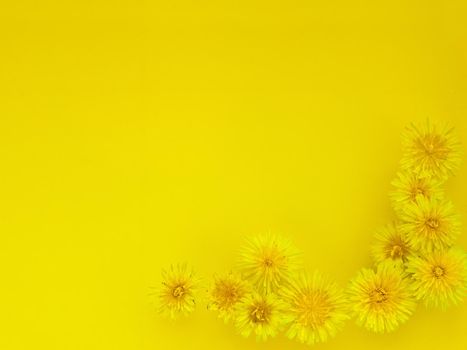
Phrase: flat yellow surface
[137,134]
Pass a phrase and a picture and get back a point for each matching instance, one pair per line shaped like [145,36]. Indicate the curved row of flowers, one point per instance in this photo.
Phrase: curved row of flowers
[415,258]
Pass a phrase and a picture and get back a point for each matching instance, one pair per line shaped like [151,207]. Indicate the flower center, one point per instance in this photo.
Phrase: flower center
[228,295]
[432,223]
[314,310]
[178,291]
[396,252]
[379,295]
[434,146]
[430,147]
[259,314]
[268,262]
[418,190]
[438,271]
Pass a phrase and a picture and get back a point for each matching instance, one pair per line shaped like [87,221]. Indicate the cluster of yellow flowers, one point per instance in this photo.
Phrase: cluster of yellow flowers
[415,261]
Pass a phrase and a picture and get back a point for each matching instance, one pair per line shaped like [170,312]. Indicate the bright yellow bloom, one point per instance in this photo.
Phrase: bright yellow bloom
[440,277]
[177,295]
[260,314]
[315,308]
[381,300]
[390,244]
[430,224]
[267,261]
[430,150]
[226,294]
[408,186]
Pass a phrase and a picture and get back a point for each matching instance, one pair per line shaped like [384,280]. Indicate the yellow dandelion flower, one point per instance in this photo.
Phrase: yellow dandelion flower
[430,150]
[440,277]
[408,186]
[226,294]
[315,308]
[390,244]
[430,224]
[267,261]
[260,314]
[177,294]
[381,300]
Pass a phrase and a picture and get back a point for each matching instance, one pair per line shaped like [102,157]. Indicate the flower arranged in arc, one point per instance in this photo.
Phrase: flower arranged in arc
[415,258]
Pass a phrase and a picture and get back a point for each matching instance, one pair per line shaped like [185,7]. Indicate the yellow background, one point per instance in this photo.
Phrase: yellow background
[137,134]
